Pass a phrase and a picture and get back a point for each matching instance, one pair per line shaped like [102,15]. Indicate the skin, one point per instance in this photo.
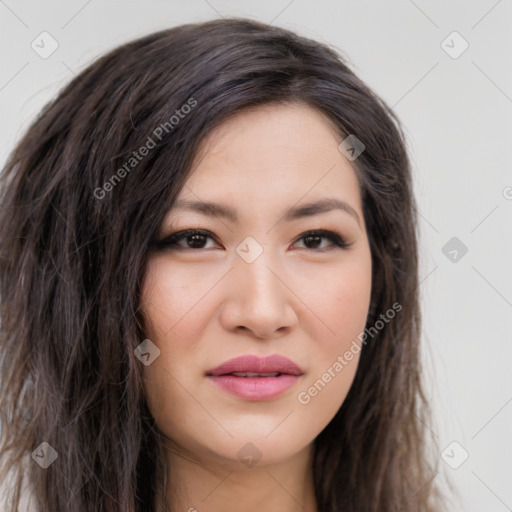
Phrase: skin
[205,305]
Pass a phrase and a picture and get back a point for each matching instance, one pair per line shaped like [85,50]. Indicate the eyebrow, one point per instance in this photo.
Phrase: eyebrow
[307,210]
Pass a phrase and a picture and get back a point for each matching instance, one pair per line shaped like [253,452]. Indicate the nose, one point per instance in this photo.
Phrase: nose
[259,301]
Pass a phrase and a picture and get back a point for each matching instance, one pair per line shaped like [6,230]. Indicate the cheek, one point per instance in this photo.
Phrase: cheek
[171,301]
[174,320]
[338,300]
[350,300]
[343,300]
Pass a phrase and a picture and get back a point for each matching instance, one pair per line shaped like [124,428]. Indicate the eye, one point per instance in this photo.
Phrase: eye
[188,239]
[195,239]
[314,238]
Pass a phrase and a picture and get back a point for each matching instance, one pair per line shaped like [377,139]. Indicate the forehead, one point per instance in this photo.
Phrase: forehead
[271,125]
[283,149]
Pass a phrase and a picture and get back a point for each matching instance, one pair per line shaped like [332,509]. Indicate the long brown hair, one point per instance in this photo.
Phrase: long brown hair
[74,235]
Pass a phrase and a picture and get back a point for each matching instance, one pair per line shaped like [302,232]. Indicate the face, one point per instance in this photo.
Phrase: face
[253,281]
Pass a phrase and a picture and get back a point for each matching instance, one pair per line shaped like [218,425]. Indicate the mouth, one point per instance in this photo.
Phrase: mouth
[255,378]
[252,374]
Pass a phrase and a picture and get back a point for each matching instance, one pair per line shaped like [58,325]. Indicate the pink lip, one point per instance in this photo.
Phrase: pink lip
[256,388]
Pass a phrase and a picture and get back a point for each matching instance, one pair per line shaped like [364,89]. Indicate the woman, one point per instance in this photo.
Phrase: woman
[209,285]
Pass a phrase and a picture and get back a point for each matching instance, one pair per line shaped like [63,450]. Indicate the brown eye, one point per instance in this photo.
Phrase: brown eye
[313,239]
[195,241]
[183,240]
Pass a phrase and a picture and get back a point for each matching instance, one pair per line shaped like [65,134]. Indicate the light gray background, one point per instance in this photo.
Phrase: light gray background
[457,112]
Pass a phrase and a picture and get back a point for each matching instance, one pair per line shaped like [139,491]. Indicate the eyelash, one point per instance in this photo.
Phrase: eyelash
[170,242]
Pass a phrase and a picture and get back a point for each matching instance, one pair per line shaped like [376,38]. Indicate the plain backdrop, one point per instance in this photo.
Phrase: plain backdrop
[453,93]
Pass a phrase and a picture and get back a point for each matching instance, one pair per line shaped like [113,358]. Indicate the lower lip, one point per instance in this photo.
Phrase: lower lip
[255,388]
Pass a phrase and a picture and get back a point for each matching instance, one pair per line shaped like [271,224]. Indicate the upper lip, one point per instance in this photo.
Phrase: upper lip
[256,364]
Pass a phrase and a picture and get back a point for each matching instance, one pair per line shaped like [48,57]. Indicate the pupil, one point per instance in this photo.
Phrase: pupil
[196,239]
[315,238]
